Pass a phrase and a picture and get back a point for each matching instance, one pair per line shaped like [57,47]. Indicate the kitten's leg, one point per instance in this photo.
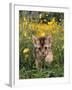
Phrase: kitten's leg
[37,63]
[49,58]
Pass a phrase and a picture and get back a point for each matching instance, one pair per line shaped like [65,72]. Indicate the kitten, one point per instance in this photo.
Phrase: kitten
[42,50]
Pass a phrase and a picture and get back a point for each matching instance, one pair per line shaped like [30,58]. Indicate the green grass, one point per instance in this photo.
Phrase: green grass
[53,70]
[27,67]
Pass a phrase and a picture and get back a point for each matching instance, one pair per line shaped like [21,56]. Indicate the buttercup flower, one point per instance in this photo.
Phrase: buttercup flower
[26,50]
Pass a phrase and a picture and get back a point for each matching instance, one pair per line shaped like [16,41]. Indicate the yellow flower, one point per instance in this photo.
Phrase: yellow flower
[53,19]
[50,23]
[33,26]
[26,50]
[24,19]
[50,27]
[26,56]
[25,34]
[42,34]
[42,27]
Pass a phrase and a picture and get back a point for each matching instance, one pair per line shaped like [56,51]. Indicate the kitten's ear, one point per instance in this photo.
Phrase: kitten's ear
[49,38]
[35,40]
[48,41]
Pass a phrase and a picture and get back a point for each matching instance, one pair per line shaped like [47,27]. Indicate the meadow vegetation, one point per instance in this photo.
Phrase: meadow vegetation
[40,24]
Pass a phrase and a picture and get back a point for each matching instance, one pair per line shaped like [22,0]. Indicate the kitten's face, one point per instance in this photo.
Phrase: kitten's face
[42,45]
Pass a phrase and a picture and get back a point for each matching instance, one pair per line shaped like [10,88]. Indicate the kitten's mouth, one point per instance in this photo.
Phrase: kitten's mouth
[43,56]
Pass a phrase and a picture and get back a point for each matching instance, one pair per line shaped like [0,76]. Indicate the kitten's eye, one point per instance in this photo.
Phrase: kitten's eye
[45,48]
[39,48]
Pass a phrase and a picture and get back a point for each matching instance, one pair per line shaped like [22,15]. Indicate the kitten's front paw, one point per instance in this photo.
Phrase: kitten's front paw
[49,58]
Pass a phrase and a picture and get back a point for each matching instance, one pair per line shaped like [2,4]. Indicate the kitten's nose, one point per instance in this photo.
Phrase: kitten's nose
[42,52]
